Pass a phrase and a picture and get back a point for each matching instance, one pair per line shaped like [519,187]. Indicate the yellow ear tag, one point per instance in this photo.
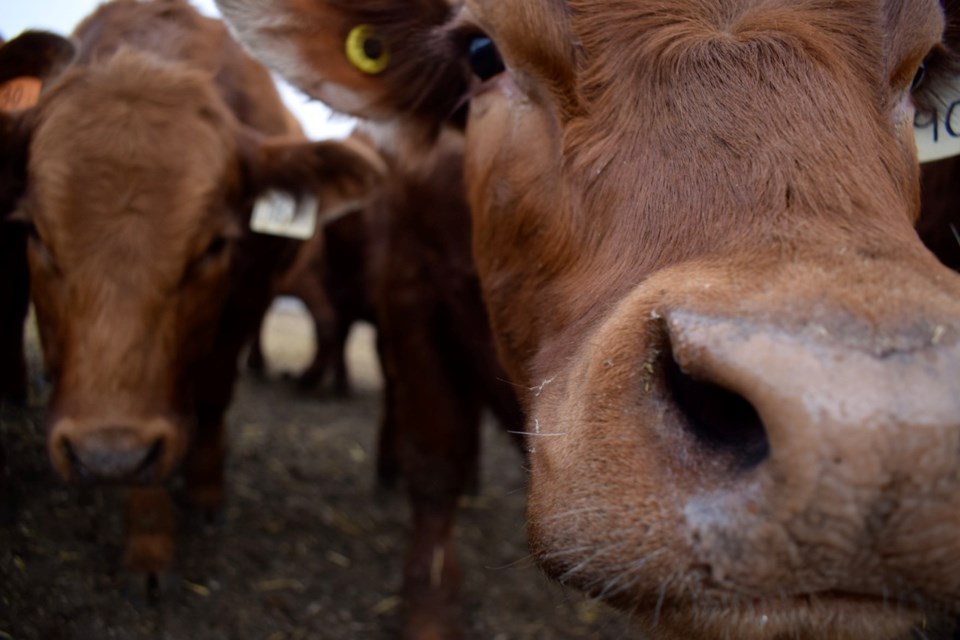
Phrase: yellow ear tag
[366,51]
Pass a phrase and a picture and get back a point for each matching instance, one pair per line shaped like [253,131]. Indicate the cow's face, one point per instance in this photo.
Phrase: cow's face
[139,186]
[693,225]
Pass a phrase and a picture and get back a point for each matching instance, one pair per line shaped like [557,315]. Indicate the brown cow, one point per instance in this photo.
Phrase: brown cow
[693,222]
[330,277]
[436,349]
[145,160]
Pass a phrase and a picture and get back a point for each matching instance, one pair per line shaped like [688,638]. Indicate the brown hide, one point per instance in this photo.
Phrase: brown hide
[144,162]
[693,225]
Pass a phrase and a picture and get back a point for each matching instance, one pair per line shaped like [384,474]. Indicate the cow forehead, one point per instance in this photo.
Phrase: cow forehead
[140,155]
[519,24]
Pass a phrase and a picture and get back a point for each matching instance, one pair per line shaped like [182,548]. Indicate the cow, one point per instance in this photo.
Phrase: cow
[26,63]
[693,226]
[139,169]
[330,277]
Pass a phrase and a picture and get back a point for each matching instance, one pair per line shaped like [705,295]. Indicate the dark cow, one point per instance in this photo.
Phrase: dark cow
[25,64]
[693,224]
[436,349]
[139,169]
[330,276]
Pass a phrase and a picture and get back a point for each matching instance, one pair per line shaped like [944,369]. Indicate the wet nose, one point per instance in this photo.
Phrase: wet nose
[837,439]
[114,453]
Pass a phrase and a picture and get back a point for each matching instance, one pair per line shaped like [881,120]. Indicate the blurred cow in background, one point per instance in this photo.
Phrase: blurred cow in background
[137,173]
[26,63]
[331,277]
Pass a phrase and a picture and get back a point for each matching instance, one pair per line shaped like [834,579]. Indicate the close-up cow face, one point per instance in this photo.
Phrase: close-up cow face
[693,224]
[134,246]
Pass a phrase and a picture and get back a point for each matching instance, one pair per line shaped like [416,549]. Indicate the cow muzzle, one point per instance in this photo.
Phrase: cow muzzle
[128,453]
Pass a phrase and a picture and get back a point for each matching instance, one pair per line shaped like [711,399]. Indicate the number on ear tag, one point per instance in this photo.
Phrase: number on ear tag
[939,138]
[279,214]
[19,93]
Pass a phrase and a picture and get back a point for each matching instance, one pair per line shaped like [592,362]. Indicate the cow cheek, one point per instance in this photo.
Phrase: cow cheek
[45,293]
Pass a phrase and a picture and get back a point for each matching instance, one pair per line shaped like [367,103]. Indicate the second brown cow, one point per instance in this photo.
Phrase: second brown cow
[145,160]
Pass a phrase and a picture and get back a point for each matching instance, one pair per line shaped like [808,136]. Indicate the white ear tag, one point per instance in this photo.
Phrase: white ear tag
[939,138]
[279,214]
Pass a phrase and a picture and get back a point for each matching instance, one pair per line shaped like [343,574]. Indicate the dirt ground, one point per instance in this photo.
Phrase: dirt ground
[306,549]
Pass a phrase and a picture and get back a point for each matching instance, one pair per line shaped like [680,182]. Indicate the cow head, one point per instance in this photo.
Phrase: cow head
[693,224]
[137,187]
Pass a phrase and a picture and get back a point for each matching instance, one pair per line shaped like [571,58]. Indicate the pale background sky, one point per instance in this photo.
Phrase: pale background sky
[61,16]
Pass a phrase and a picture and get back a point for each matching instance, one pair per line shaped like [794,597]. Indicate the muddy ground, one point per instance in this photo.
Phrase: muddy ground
[306,549]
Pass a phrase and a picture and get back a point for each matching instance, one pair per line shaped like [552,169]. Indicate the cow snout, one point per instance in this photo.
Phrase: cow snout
[112,453]
[837,450]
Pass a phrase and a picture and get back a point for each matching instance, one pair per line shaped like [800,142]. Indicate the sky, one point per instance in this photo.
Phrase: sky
[61,16]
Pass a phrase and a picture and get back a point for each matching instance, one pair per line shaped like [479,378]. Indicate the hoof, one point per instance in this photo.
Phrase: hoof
[201,518]
[8,511]
[148,588]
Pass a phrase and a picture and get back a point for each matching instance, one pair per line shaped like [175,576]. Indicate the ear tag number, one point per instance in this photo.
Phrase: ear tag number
[366,51]
[19,93]
[280,214]
[938,137]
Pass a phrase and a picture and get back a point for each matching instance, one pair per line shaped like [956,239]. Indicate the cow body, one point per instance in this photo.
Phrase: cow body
[144,162]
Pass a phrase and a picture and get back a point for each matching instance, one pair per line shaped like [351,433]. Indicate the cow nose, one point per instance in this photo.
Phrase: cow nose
[721,419]
[109,454]
[841,437]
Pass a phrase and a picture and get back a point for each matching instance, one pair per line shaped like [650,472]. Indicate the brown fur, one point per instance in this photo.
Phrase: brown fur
[696,246]
[144,162]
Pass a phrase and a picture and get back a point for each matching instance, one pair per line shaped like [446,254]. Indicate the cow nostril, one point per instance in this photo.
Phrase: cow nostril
[79,470]
[151,462]
[721,419]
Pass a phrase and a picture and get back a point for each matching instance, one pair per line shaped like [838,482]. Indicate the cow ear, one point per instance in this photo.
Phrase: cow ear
[26,63]
[374,59]
[322,180]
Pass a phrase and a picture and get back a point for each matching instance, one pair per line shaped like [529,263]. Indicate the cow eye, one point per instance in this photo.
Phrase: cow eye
[919,77]
[485,60]
[216,247]
[40,247]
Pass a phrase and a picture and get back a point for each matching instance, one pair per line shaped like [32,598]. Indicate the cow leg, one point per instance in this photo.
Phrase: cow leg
[324,318]
[341,379]
[436,417]
[388,458]
[204,469]
[256,361]
[7,506]
[151,524]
